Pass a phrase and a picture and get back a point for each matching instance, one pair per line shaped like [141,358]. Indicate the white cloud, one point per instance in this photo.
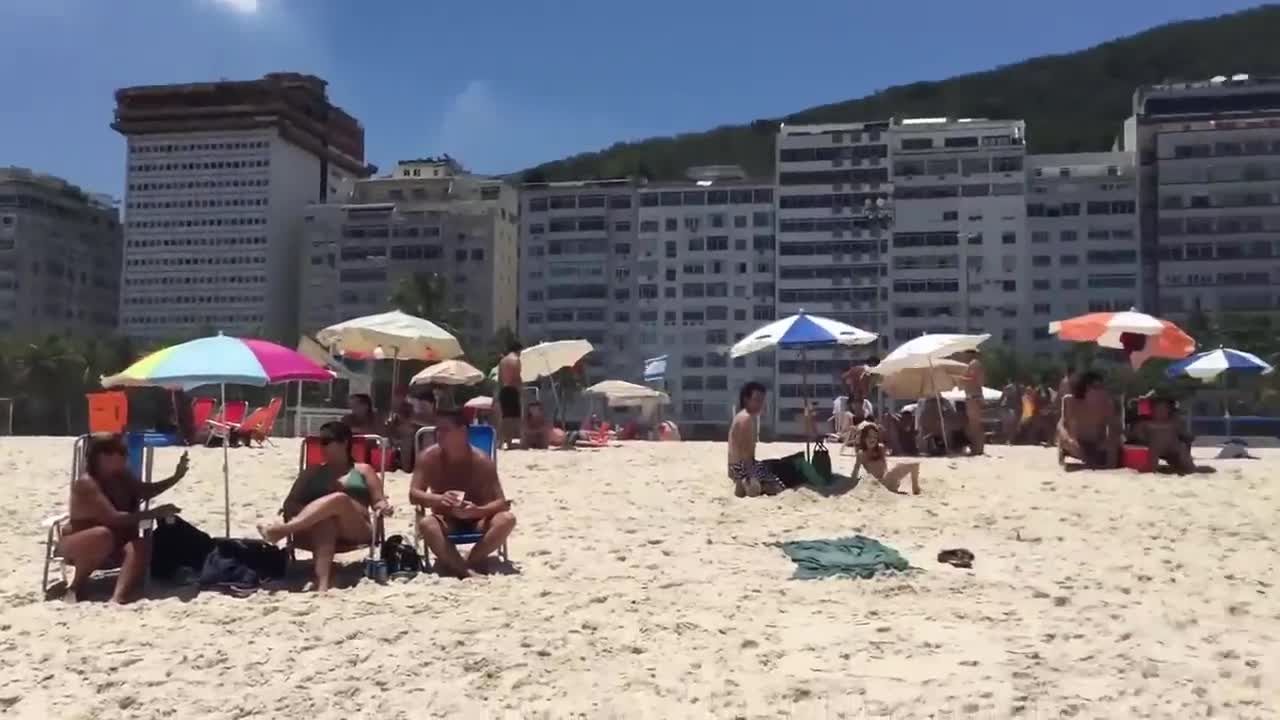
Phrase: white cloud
[243,7]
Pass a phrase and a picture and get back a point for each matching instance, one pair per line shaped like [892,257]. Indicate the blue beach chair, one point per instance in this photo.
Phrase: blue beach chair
[481,437]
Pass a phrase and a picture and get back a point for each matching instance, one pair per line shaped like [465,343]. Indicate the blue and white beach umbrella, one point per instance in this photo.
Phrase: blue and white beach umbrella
[1209,365]
[801,332]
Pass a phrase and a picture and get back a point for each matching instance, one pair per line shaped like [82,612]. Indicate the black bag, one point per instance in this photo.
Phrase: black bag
[400,556]
[786,469]
[821,460]
[176,544]
[243,563]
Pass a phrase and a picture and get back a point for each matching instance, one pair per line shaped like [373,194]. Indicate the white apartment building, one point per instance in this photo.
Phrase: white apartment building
[1209,194]
[430,217]
[958,257]
[577,254]
[59,258]
[834,205]
[218,179]
[704,277]
[1083,226]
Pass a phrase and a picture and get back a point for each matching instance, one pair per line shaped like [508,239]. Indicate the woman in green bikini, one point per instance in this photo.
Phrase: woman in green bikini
[327,509]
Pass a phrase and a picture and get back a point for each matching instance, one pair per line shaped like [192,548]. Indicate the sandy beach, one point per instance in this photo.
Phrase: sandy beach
[646,590]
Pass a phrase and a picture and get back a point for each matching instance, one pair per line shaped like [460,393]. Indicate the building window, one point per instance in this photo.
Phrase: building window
[1009,238]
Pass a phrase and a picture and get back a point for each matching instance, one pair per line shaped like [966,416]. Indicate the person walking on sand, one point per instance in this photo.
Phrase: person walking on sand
[974,378]
[750,477]
[510,387]
[458,486]
[104,517]
[857,382]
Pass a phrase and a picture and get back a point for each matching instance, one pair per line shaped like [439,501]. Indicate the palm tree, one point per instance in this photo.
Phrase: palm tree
[423,294]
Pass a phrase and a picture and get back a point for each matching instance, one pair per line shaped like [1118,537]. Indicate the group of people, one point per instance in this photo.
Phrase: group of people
[328,510]
[1080,417]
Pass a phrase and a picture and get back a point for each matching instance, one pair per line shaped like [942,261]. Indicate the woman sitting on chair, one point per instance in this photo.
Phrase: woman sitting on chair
[326,511]
[104,518]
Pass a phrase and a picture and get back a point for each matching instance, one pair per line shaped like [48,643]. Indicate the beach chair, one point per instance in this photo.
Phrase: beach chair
[108,412]
[229,419]
[202,411]
[141,458]
[372,450]
[483,438]
[257,426]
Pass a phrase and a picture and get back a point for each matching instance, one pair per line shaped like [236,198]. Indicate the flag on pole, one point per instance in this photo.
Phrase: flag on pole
[655,368]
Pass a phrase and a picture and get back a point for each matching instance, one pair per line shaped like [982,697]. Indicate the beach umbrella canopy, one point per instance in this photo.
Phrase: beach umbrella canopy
[927,350]
[392,334]
[620,392]
[480,402]
[911,383]
[449,372]
[548,357]
[1131,331]
[1209,365]
[219,360]
[958,395]
[801,331]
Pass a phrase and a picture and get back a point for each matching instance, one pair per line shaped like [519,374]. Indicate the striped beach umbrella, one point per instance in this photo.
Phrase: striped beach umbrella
[1139,335]
[1209,365]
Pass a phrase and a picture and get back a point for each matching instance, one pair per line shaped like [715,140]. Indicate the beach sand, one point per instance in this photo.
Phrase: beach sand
[646,590]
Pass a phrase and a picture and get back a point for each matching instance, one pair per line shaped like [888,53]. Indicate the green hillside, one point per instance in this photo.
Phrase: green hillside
[1072,103]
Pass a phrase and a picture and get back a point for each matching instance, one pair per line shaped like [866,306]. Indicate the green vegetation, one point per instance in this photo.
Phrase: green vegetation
[1072,103]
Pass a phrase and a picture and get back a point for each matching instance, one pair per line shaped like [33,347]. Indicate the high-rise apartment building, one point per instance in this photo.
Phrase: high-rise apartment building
[1083,229]
[957,259]
[834,205]
[1209,194]
[703,268]
[578,262]
[218,179]
[428,216]
[60,252]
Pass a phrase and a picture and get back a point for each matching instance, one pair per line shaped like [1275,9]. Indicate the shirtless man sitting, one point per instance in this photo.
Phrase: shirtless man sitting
[104,517]
[458,486]
[750,477]
[1165,436]
[1089,429]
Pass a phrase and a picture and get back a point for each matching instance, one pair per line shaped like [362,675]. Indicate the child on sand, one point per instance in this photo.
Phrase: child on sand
[871,455]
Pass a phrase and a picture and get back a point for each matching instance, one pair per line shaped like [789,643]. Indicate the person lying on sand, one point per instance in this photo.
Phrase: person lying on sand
[1164,434]
[1090,426]
[459,488]
[104,520]
[871,455]
[327,508]
[750,477]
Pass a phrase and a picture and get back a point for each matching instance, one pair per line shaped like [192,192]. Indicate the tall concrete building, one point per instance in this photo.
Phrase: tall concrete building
[219,175]
[1209,194]
[704,272]
[579,260]
[834,207]
[60,252]
[958,258]
[426,216]
[1083,228]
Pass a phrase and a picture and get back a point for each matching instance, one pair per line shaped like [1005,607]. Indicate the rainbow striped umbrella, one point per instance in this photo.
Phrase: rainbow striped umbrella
[219,360]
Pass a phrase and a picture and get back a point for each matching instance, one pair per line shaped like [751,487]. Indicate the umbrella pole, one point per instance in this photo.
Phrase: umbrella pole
[942,420]
[226,472]
[804,400]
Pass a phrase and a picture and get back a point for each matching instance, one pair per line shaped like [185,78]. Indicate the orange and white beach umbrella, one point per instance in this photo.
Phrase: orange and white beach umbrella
[1140,335]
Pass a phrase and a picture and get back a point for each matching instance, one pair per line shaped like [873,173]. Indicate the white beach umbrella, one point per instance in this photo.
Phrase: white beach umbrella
[620,392]
[391,334]
[910,383]
[548,357]
[449,372]
[480,402]
[926,350]
[958,395]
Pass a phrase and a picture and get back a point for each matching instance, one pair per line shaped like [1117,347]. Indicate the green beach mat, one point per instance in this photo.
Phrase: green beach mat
[856,556]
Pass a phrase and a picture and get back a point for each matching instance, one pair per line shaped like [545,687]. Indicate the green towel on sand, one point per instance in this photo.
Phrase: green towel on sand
[855,556]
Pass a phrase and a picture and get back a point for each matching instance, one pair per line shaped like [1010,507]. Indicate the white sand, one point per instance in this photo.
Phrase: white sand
[646,590]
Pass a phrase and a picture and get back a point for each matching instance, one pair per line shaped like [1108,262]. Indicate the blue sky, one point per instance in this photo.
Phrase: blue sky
[503,85]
